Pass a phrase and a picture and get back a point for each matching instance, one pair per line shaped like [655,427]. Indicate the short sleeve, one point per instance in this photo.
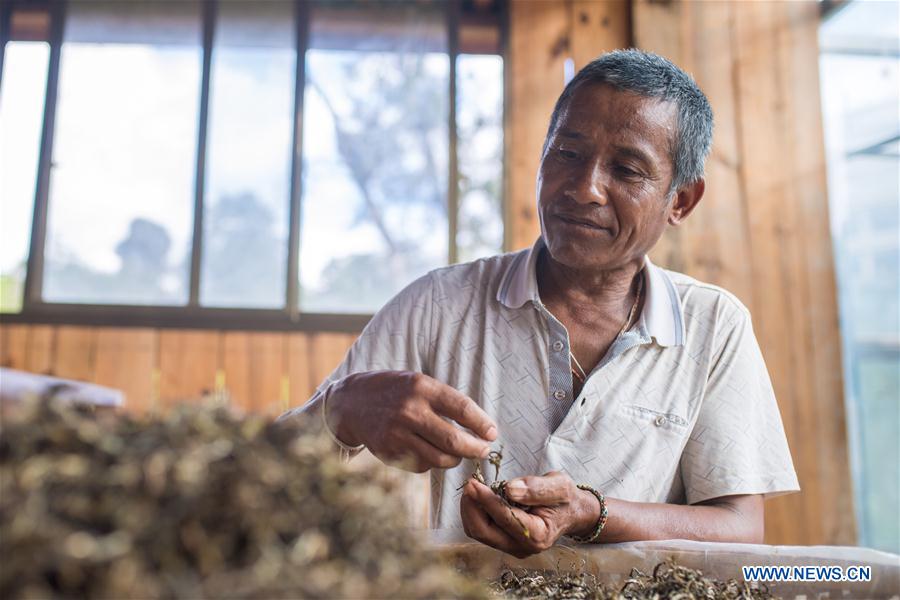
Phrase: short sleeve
[737,444]
[398,338]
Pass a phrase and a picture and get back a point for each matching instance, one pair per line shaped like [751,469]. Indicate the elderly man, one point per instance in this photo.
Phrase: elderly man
[632,403]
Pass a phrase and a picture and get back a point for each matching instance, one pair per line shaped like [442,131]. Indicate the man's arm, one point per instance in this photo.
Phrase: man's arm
[558,507]
[380,395]
[404,418]
[725,519]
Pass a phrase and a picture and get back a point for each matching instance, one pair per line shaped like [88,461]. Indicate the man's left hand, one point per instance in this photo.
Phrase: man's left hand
[556,507]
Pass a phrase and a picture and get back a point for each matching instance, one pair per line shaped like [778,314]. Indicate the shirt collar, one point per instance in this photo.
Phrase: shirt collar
[662,315]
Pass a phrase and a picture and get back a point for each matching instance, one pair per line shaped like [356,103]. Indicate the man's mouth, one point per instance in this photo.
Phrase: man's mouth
[582,222]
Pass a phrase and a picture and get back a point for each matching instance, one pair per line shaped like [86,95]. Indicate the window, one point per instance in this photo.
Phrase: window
[22,86]
[248,170]
[121,181]
[375,154]
[860,74]
[196,171]
[479,116]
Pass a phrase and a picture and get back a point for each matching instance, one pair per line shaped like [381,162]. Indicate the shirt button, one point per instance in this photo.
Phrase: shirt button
[558,346]
[559,395]
[660,420]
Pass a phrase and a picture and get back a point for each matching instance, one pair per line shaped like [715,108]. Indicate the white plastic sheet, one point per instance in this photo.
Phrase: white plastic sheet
[612,563]
[16,386]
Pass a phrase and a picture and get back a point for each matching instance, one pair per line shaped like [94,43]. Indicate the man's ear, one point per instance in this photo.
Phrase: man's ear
[686,200]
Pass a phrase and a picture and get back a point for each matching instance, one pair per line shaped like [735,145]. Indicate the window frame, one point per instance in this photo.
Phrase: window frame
[857,347]
[193,315]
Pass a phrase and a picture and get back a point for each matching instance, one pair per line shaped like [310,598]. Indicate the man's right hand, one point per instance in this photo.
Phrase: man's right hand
[401,417]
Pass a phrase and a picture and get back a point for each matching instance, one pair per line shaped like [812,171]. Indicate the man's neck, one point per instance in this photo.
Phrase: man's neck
[586,295]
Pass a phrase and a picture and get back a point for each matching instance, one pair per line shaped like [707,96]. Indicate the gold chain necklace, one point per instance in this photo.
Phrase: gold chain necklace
[577,370]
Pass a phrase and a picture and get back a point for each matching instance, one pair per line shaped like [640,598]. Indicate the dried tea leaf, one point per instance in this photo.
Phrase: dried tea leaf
[200,503]
[668,580]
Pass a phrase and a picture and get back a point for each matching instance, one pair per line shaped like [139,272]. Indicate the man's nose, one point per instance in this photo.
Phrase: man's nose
[589,186]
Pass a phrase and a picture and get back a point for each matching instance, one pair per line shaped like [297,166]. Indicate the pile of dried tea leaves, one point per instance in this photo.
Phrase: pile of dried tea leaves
[668,581]
[550,584]
[198,504]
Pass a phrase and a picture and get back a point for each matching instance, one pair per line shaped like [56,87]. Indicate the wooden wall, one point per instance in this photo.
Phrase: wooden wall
[761,232]
[157,369]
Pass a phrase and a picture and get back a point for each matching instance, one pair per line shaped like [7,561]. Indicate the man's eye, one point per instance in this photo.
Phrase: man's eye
[567,154]
[626,172]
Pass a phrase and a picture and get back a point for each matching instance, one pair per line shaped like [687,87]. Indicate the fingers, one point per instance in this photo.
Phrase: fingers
[515,522]
[478,526]
[406,422]
[462,409]
[551,489]
[449,438]
[420,455]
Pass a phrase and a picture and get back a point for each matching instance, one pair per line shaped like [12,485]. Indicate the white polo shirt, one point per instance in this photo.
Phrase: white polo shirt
[680,410]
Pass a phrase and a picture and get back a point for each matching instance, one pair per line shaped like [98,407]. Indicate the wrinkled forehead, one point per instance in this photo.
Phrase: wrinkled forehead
[601,112]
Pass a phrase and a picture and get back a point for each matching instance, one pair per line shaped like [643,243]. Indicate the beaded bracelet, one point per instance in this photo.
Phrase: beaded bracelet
[601,522]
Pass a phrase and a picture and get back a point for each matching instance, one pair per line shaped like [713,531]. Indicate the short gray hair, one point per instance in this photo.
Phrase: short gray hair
[653,76]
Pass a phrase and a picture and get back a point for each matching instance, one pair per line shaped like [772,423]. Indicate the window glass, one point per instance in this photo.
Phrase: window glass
[124,155]
[251,110]
[860,78]
[479,117]
[375,148]
[24,82]
[373,210]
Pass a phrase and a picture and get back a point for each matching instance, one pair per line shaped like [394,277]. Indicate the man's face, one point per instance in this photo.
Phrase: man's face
[603,181]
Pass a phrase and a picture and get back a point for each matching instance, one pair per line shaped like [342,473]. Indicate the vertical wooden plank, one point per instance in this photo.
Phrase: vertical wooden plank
[716,237]
[302,386]
[13,346]
[268,367]
[236,366]
[255,364]
[538,47]
[75,352]
[327,350]
[789,239]
[126,360]
[188,362]
[760,178]
[4,342]
[39,355]
[261,372]
[777,266]
[598,27]
[816,310]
